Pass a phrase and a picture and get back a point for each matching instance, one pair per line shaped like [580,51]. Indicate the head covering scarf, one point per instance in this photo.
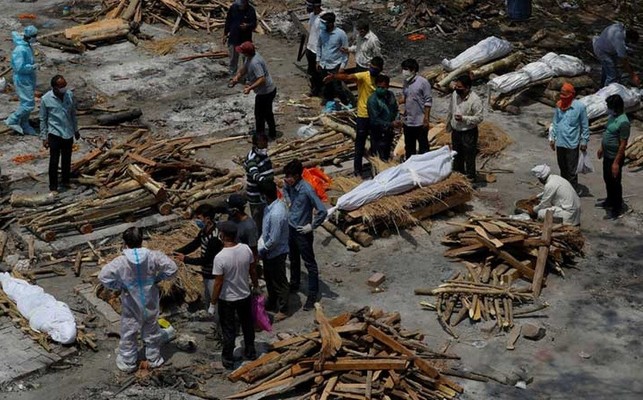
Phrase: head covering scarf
[567,94]
[541,171]
[30,31]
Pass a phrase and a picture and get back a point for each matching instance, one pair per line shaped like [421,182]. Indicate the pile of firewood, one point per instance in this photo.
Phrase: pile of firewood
[136,177]
[634,152]
[365,354]
[445,16]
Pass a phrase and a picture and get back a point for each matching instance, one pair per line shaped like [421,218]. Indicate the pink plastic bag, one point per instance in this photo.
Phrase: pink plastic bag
[259,314]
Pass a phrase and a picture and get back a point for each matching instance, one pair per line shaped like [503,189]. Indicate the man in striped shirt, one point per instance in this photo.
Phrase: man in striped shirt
[258,169]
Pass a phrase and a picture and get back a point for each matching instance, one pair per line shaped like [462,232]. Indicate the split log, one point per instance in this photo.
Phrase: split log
[341,236]
[499,65]
[339,127]
[3,243]
[579,82]
[331,341]
[99,30]
[156,188]
[444,82]
[78,263]
[31,200]
[543,253]
[60,43]
[119,117]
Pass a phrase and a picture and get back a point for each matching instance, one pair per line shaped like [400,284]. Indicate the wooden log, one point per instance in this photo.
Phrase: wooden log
[526,272]
[579,82]
[119,117]
[371,364]
[363,238]
[341,236]
[142,177]
[63,44]
[543,253]
[284,359]
[3,243]
[78,263]
[31,200]
[503,64]
[76,166]
[444,82]
[99,30]
[129,12]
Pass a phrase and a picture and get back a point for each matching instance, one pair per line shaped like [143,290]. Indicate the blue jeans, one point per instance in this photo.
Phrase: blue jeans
[609,70]
[301,246]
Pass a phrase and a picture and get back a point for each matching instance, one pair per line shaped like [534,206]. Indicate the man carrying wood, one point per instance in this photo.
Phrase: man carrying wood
[314,8]
[465,114]
[240,21]
[58,128]
[24,69]
[302,200]
[383,117]
[365,88]
[569,133]
[367,46]
[417,102]
[258,79]
[136,275]
[233,270]
[558,195]
[258,169]
[610,47]
[273,249]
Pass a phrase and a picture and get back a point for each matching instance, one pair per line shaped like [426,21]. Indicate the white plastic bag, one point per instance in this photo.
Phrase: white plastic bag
[509,82]
[486,50]
[307,131]
[584,164]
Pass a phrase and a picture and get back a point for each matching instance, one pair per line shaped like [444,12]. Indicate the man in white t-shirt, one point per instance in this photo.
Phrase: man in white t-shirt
[233,269]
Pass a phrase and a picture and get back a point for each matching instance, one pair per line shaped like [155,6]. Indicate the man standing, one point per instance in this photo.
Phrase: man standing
[136,275]
[365,88]
[314,8]
[258,169]
[233,270]
[367,46]
[258,80]
[417,102]
[465,114]
[331,59]
[246,227]
[24,69]
[302,200]
[273,249]
[610,49]
[58,128]
[558,195]
[240,21]
[569,132]
[382,114]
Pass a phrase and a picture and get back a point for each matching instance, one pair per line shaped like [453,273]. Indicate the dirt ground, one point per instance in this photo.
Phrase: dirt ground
[592,346]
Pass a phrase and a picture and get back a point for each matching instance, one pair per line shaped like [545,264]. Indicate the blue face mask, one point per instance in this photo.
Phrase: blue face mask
[199,223]
[373,71]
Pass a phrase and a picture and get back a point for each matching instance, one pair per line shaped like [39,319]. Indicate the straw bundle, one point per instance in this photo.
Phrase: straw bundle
[166,45]
[491,140]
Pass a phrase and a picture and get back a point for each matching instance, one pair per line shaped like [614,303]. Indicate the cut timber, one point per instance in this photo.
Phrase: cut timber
[506,63]
[97,31]
[157,189]
[513,337]
[376,279]
[349,364]
[579,82]
[444,83]
[78,263]
[336,126]
[264,359]
[331,341]
[350,244]
[119,117]
[31,200]
[526,272]
[3,243]
[543,253]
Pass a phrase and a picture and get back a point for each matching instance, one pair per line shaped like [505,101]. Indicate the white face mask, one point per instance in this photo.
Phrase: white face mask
[262,152]
[62,90]
[407,74]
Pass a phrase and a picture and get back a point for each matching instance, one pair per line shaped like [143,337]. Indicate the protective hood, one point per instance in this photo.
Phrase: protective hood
[136,256]
[18,39]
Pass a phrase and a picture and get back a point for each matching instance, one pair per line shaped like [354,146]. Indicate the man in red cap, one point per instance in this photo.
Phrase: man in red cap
[569,133]
[258,79]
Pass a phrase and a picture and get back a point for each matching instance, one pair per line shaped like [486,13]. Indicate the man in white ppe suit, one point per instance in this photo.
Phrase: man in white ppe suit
[136,274]
[558,195]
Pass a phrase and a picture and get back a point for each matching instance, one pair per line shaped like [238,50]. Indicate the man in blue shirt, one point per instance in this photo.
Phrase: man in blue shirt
[58,127]
[240,21]
[569,133]
[302,200]
[610,49]
[331,59]
[273,249]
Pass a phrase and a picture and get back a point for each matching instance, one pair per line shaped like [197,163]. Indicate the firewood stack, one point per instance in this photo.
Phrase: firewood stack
[444,16]
[138,177]
[634,152]
[365,354]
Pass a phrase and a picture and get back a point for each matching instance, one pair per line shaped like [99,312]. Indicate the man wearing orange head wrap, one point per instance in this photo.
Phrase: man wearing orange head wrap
[569,133]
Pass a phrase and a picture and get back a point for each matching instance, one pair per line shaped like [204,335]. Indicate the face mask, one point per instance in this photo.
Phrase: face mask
[407,74]
[611,113]
[380,91]
[373,71]
[199,223]
[32,40]
[62,90]
[322,24]
[262,152]
[460,92]
[263,199]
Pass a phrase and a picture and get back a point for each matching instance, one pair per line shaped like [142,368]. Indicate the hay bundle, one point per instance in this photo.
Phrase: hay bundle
[166,45]
[491,140]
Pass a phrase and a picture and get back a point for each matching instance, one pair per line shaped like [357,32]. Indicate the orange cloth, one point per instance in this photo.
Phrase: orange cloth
[567,94]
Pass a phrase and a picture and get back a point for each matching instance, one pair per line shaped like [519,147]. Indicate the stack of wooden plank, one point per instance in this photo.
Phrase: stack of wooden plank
[136,177]
[361,355]
[634,152]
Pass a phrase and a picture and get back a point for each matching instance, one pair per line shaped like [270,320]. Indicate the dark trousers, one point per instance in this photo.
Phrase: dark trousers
[465,144]
[301,246]
[228,312]
[613,185]
[336,88]
[256,211]
[416,140]
[59,153]
[264,114]
[274,272]
[568,164]
[362,133]
[381,141]
[316,83]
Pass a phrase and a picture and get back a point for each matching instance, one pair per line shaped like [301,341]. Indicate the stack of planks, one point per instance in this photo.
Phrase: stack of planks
[521,249]
[634,152]
[361,355]
[136,177]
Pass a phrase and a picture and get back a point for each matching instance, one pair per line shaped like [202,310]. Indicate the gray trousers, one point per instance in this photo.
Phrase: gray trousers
[568,164]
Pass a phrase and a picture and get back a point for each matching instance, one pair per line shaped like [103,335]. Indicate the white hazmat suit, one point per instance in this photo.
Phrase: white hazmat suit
[136,274]
[558,195]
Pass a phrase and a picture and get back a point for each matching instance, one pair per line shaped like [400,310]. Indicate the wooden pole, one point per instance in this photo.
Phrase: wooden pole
[543,252]
[341,236]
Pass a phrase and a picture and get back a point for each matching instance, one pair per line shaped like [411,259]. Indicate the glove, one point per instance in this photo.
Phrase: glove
[212,309]
[35,67]
[261,247]
[305,229]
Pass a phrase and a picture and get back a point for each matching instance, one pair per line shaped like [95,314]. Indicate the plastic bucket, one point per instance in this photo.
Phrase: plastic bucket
[518,10]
